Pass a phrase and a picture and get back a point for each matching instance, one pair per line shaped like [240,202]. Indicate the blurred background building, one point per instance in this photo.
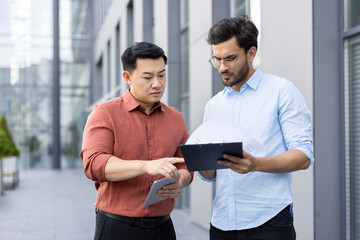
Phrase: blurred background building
[50,79]
[27,78]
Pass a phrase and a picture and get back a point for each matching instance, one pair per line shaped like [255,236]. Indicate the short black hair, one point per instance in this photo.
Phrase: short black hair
[141,50]
[241,27]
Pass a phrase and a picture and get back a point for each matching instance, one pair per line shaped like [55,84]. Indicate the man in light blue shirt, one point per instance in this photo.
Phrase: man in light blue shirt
[253,197]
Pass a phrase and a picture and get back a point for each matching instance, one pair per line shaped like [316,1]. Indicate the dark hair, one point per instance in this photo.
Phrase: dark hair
[141,50]
[241,27]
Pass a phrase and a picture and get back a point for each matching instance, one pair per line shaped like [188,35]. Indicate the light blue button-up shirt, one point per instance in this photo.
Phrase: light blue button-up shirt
[273,111]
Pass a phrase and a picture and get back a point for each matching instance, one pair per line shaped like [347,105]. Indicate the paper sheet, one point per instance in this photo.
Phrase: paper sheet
[222,128]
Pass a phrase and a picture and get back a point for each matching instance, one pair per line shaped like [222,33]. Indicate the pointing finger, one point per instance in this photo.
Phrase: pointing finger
[177,160]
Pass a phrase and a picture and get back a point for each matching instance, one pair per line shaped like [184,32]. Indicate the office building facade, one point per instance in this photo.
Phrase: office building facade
[27,86]
[291,45]
[314,44]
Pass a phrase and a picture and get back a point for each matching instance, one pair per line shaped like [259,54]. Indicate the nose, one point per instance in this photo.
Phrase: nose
[222,66]
[156,83]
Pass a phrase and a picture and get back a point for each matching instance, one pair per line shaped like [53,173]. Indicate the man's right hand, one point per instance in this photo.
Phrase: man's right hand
[163,166]
[117,169]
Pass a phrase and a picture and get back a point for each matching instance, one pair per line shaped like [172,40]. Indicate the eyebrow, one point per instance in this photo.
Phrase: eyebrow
[229,56]
[152,73]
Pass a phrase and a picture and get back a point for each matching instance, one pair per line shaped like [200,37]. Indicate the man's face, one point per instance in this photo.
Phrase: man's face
[147,82]
[233,63]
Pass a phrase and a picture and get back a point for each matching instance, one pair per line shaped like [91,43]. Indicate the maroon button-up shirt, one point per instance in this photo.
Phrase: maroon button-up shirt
[121,128]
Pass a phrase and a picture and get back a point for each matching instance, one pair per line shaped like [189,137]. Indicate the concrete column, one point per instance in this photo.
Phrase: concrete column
[56,89]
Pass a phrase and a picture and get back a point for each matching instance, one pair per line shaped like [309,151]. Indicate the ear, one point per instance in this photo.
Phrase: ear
[127,77]
[251,54]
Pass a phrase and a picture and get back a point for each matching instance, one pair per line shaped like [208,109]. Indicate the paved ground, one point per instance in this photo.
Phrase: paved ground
[52,204]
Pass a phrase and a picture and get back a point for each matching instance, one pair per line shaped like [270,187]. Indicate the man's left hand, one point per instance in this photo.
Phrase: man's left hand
[171,190]
[239,165]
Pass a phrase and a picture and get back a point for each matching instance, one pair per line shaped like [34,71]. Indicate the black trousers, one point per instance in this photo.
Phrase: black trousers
[111,229]
[279,227]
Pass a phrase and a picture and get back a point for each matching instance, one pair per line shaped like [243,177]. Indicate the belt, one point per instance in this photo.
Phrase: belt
[147,222]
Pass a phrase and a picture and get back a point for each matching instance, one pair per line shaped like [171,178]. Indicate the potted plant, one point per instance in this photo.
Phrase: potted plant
[7,148]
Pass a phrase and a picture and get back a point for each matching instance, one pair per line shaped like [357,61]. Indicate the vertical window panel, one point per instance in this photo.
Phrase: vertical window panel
[130,24]
[184,72]
[352,135]
[184,57]
[352,14]
[98,81]
[108,62]
[354,50]
[117,56]
[239,7]
[74,77]
[148,21]
[347,138]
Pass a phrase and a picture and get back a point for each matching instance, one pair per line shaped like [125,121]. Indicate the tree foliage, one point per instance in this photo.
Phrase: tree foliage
[7,145]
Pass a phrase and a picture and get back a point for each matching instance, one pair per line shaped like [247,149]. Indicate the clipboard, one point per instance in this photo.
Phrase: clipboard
[205,156]
[152,197]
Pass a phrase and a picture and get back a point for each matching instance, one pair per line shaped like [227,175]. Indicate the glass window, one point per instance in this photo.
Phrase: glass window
[117,57]
[184,13]
[351,13]
[26,77]
[108,63]
[74,77]
[352,135]
[98,81]
[130,24]
[239,7]
[184,41]
[148,21]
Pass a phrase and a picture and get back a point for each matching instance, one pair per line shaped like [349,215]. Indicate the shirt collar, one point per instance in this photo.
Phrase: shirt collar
[253,82]
[132,104]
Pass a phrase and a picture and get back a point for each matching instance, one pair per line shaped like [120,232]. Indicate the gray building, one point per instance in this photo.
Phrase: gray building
[28,80]
[315,44]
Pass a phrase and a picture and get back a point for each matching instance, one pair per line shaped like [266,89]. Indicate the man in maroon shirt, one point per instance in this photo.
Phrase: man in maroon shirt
[128,143]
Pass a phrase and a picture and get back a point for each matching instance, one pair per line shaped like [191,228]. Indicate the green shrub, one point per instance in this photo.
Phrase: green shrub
[7,145]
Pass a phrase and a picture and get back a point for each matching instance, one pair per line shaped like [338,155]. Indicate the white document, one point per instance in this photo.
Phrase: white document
[222,129]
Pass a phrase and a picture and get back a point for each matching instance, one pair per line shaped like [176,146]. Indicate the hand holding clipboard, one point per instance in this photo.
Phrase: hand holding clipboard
[200,157]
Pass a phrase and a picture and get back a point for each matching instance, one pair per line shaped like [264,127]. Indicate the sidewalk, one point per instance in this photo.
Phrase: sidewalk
[51,204]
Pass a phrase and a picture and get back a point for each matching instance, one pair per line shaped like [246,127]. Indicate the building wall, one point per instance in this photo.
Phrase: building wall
[329,172]
[285,49]
[200,92]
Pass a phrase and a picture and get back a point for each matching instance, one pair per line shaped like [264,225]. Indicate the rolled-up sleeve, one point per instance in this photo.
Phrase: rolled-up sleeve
[295,120]
[97,146]
[205,179]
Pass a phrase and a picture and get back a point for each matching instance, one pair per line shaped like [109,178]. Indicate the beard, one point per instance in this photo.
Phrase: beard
[239,77]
